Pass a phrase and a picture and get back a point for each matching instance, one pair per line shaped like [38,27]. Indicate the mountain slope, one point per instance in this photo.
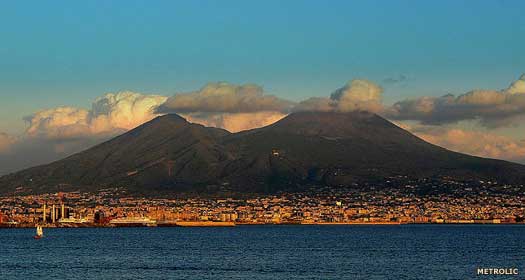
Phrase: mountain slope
[339,148]
[167,151]
[170,154]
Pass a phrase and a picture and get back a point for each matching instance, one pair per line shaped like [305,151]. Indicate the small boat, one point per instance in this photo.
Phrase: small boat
[39,232]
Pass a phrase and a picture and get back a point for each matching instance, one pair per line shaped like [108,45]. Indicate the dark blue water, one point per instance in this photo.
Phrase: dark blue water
[263,252]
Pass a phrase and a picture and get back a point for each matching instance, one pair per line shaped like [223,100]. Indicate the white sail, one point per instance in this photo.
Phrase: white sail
[39,231]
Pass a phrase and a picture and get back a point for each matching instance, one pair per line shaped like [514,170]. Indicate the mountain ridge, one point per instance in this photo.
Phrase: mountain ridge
[306,148]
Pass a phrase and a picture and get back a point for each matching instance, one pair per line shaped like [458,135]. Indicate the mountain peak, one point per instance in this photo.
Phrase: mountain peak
[331,123]
[330,118]
[169,118]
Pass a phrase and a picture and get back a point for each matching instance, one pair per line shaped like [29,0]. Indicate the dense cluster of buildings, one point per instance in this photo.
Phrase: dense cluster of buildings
[416,202]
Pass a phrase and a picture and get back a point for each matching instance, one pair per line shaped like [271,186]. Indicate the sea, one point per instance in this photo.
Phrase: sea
[265,252]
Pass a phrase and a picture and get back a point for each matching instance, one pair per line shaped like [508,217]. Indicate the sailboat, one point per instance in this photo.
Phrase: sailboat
[39,232]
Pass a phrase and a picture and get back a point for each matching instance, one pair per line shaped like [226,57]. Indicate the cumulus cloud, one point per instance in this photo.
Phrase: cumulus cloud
[228,106]
[225,98]
[358,95]
[354,96]
[61,122]
[478,143]
[517,86]
[223,101]
[56,133]
[491,107]
[224,105]
[124,110]
[109,114]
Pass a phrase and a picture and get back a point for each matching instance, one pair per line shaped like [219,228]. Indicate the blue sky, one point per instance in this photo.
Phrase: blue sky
[57,53]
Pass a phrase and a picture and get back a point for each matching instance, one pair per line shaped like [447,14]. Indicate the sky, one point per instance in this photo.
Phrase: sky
[69,53]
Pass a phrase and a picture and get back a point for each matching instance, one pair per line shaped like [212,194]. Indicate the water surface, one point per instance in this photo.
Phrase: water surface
[263,252]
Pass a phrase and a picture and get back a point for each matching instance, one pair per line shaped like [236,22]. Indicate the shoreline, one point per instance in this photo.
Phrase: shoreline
[231,224]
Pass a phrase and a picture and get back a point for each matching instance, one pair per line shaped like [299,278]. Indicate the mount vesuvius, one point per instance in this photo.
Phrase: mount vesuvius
[169,154]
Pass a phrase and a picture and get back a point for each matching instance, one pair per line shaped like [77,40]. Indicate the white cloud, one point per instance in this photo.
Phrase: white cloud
[110,114]
[473,142]
[225,98]
[61,122]
[358,95]
[124,110]
[228,106]
[56,133]
[354,96]
[492,108]
[517,86]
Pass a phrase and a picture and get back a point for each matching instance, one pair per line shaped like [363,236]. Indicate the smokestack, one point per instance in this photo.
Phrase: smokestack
[63,212]
[53,216]
[44,213]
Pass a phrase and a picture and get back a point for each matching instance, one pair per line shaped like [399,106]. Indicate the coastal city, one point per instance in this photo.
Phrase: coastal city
[422,201]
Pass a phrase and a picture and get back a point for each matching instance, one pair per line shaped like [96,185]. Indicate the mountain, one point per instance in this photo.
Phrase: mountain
[169,154]
[340,148]
[167,151]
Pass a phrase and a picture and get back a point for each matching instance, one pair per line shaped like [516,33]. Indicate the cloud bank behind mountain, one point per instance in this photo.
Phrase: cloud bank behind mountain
[57,132]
